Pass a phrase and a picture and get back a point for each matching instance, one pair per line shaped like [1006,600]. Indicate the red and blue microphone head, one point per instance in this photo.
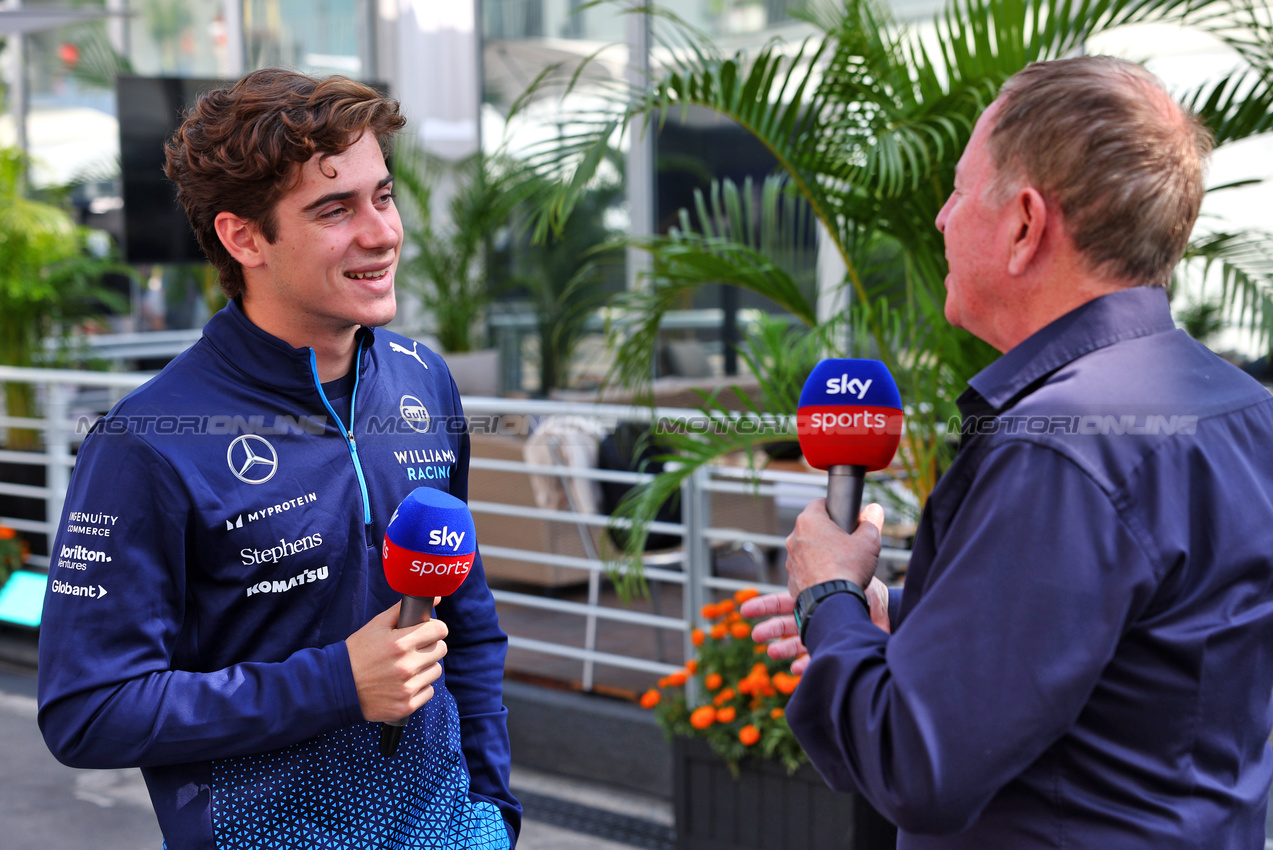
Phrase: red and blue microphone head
[849,422]
[429,549]
[850,414]
[430,544]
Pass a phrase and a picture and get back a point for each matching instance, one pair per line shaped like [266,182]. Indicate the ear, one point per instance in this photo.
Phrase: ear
[241,238]
[1030,224]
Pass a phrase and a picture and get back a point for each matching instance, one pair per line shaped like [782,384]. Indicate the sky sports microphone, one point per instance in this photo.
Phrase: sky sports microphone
[849,422]
[429,549]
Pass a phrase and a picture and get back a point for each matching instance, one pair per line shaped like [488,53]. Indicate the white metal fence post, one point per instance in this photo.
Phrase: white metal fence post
[58,453]
[698,560]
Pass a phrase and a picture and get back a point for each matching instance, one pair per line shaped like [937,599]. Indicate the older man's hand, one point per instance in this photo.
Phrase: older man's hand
[818,550]
[779,630]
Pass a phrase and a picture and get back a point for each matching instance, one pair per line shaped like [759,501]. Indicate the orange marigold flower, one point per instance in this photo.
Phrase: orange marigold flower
[7,533]
[664,682]
[697,637]
[740,630]
[785,683]
[733,617]
[746,686]
[726,714]
[678,678]
[691,666]
[709,612]
[746,593]
[650,698]
[749,735]
[725,696]
[777,713]
[724,607]
[760,670]
[759,649]
[703,716]
[713,681]
[719,631]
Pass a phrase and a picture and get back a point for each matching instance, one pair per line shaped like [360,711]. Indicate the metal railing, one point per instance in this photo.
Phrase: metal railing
[64,424]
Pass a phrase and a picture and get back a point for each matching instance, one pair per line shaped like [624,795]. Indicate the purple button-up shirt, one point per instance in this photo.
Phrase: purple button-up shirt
[1083,656]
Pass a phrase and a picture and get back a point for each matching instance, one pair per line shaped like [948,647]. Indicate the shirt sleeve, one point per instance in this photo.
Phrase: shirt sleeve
[894,607]
[1031,586]
[474,665]
[109,693]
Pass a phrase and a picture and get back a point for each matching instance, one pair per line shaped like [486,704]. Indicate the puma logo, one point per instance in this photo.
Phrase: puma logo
[411,352]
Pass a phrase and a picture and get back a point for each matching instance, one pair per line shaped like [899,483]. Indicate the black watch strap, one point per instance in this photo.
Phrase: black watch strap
[811,597]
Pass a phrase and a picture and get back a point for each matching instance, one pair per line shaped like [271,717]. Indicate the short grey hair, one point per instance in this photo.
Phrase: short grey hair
[1102,138]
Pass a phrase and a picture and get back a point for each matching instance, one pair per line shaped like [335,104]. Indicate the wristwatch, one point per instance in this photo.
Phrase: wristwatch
[811,597]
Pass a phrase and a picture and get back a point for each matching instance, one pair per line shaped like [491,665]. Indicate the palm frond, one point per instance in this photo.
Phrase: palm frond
[731,242]
[1237,106]
[1244,262]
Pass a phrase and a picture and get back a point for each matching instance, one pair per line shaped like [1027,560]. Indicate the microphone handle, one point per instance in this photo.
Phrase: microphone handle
[844,494]
[415,610]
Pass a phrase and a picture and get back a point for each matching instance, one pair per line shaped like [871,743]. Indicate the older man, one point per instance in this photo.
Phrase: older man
[1083,652]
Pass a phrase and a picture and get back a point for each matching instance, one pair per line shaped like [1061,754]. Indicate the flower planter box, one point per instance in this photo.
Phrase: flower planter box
[765,808]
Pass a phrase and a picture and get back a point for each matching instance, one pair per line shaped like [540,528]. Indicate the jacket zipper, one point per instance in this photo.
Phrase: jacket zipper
[347,433]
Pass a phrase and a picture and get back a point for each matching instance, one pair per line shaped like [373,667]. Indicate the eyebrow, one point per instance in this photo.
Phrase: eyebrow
[344,196]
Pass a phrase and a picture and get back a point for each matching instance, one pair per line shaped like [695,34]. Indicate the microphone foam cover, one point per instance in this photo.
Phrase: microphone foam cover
[430,544]
[850,413]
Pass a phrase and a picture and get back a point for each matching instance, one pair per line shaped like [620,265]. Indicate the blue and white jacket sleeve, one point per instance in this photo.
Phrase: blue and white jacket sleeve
[474,664]
[113,689]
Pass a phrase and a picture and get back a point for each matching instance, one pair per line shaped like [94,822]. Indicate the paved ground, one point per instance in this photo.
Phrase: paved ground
[44,804]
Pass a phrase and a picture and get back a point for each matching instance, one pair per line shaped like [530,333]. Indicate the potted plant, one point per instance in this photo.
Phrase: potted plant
[740,778]
[446,258]
[565,276]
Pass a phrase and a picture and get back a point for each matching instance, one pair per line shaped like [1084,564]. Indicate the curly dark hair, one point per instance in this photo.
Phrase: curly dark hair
[240,149]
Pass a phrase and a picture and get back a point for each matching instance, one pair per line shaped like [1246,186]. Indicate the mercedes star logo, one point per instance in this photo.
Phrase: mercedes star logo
[252,459]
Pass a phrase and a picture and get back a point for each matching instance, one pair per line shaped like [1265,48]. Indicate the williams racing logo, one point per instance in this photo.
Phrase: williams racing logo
[414,414]
[252,459]
[426,464]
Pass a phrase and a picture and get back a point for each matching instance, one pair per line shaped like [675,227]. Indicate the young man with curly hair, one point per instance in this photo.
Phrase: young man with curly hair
[232,632]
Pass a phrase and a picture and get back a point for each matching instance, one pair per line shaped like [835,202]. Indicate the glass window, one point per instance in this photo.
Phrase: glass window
[178,38]
[315,36]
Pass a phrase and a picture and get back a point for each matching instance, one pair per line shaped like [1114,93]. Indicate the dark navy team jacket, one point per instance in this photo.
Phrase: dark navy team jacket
[1084,653]
[220,540]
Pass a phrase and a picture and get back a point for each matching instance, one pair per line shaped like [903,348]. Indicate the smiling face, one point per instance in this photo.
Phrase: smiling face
[331,265]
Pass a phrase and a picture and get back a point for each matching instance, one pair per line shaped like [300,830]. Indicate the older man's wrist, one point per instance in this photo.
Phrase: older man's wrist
[811,598]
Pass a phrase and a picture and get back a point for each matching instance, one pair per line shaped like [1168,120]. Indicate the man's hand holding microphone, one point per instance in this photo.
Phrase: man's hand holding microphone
[428,550]
[849,421]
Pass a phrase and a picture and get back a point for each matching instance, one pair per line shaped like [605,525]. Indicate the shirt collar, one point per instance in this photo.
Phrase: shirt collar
[264,358]
[1126,314]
